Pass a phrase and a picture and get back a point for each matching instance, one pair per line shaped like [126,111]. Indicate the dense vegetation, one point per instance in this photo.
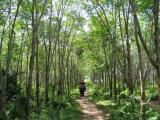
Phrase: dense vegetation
[128,108]
[48,46]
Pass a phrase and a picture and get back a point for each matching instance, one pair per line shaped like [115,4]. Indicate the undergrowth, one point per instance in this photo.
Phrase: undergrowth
[58,108]
[129,106]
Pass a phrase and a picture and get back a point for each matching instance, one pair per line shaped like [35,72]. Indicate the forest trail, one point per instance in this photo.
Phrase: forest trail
[90,110]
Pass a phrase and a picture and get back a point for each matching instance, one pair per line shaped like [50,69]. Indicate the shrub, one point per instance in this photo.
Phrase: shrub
[125,112]
[13,89]
[17,111]
[106,96]
[124,94]
[2,116]
[153,97]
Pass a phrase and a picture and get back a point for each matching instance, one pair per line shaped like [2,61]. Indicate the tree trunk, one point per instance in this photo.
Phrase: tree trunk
[129,71]
[110,82]
[2,94]
[37,66]
[124,51]
[155,63]
[142,81]
[31,62]
[48,58]
[155,35]
[8,61]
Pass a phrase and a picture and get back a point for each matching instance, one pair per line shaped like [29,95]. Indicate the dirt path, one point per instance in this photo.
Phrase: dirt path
[155,105]
[90,110]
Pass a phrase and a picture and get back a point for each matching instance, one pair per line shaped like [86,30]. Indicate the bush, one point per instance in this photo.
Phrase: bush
[124,94]
[2,116]
[152,114]
[153,97]
[13,89]
[17,111]
[58,104]
[106,95]
[125,112]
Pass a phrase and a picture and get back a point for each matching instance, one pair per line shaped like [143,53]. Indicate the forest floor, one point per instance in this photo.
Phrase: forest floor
[155,105]
[90,110]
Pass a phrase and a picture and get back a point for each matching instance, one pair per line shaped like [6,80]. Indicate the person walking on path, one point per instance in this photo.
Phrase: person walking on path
[82,88]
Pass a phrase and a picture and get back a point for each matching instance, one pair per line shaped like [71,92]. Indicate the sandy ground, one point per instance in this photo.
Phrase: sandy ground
[90,110]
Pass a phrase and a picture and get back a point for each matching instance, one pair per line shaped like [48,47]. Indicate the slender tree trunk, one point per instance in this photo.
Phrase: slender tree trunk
[37,78]
[37,63]
[155,63]
[115,81]
[48,58]
[142,81]
[8,62]
[126,19]
[124,52]
[155,30]
[31,62]
[2,93]
[110,82]
[21,58]
[68,85]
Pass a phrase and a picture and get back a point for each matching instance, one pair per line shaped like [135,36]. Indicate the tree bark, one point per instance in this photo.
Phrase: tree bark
[37,63]
[129,71]
[155,63]
[142,81]
[9,57]
[31,62]
[155,30]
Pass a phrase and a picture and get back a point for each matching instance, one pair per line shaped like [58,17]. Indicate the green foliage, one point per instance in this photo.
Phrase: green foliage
[2,116]
[153,97]
[62,23]
[58,104]
[79,51]
[74,94]
[18,108]
[13,89]
[144,5]
[57,109]
[60,109]
[152,94]
[125,112]
[128,109]
[106,95]
[96,93]
[124,94]
[152,114]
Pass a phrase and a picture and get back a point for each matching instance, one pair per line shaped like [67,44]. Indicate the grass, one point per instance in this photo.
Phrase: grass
[128,109]
[69,113]
[68,109]
[65,108]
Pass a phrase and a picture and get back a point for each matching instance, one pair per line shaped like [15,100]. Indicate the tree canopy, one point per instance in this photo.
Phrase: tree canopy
[47,47]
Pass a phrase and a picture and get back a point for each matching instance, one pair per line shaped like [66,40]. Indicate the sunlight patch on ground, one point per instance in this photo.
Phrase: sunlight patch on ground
[90,110]
[106,103]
